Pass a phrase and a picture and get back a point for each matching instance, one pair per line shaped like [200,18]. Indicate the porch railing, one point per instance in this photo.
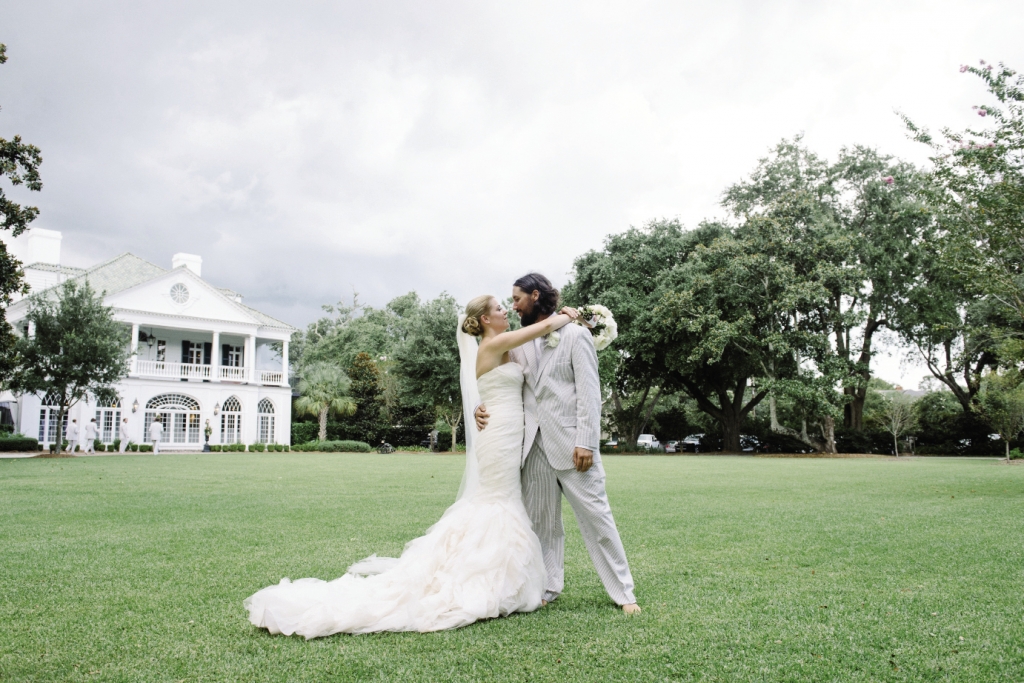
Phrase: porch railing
[232,373]
[271,377]
[159,368]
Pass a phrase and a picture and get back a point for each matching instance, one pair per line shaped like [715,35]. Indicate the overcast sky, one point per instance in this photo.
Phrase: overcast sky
[306,149]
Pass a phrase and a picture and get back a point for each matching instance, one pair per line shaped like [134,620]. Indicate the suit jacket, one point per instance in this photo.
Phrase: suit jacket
[562,396]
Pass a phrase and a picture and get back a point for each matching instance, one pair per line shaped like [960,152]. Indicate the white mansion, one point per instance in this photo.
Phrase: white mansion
[198,353]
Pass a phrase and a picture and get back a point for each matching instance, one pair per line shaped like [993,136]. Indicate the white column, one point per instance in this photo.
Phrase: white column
[135,348]
[216,357]
[284,362]
[250,358]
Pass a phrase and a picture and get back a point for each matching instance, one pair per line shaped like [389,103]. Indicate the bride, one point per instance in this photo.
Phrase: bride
[482,559]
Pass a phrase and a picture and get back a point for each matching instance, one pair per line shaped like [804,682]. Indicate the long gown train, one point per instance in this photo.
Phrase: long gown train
[480,560]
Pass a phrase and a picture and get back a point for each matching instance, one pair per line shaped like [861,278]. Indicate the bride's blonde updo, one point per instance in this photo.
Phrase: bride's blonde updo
[475,309]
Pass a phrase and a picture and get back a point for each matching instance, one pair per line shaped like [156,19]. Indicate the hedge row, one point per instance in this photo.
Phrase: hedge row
[334,447]
[12,444]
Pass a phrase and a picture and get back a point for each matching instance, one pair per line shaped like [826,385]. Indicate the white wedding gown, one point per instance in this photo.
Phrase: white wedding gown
[481,560]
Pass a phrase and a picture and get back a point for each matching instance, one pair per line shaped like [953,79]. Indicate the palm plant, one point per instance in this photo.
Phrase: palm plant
[324,389]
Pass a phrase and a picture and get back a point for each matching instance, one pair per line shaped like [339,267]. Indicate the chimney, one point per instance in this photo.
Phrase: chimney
[42,246]
[190,261]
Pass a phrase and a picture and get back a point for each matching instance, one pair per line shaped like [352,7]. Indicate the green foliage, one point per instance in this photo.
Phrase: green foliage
[861,221]
[1002,404]
[1016,454]
[370,418]
[11,443]
[333,447]
[145,448]
[19,164]
[215,448]
[979,189]
[116,446]
[98,446]
[428,360]
[78,349]
[304,432]
[257,448]
[324,390]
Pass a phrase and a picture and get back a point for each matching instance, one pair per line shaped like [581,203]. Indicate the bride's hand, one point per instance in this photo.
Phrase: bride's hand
[570,311]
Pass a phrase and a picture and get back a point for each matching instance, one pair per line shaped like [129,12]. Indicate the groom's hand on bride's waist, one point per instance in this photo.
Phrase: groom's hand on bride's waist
[482,416]
[582,458]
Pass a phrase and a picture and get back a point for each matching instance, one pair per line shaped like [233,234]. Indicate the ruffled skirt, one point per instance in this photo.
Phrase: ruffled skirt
[481,560]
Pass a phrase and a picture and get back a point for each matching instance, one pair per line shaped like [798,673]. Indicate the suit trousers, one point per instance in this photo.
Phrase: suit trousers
[543,487]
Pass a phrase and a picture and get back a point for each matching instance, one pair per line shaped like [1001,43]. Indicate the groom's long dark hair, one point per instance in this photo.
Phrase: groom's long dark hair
[547,302]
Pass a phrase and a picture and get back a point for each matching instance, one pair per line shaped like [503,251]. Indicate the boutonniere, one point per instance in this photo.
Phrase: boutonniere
[553,339]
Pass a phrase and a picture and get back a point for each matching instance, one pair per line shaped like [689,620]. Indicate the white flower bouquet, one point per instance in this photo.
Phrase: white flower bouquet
[601,324]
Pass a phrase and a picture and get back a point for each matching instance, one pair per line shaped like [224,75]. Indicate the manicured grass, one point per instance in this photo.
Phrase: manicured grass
[134,569]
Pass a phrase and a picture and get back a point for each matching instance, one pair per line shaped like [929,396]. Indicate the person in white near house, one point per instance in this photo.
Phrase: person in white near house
[481,559]
[156,432]
[562,403]
[89,434]
[124,435]
[72,434]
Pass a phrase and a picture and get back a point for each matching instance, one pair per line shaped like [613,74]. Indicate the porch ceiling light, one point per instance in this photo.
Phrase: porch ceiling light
[135,406]
[216,408]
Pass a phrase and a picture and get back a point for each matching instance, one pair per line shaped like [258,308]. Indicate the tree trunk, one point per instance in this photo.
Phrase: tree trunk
[853,412]
[323,424]
[731,432]
[828,432]
[1007,442]
[896,445]
[60,431]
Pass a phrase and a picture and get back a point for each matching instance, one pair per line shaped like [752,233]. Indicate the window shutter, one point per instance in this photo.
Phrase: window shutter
[186,347]
[225,349]
[207,352]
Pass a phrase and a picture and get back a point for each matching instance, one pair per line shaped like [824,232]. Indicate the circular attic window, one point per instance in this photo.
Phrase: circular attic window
[179,293]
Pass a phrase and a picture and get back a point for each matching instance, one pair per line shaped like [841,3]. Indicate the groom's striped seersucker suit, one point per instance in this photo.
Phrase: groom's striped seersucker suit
[562,402]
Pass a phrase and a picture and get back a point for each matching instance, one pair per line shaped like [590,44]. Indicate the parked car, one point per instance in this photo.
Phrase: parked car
[691,444]
[671,446]
[749,443]
[611,445]
[647,441]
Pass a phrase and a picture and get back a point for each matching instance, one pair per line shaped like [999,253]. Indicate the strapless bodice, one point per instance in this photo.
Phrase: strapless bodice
[499,446]
[503,383]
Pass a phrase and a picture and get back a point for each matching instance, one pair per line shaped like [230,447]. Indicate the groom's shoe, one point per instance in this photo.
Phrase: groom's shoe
[631,608]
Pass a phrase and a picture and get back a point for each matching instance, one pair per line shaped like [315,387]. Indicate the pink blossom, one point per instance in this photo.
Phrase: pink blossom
[963,68]
[974,107]
[982,62]
[888,180]
[982,112]
[988,68]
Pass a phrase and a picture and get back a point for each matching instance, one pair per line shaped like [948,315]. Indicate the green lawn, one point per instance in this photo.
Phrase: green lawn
[134,568]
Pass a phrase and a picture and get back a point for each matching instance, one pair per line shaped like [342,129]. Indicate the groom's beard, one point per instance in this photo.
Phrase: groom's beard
[528,317]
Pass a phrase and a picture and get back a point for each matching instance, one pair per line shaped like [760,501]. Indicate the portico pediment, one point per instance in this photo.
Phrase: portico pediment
[181,293]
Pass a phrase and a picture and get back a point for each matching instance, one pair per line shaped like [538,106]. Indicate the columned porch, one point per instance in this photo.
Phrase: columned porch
[183,355]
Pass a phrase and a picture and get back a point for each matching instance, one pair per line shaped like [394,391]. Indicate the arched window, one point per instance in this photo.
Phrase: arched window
[48,420]
[180,415]
[266,421]
[108,417]
[231,421]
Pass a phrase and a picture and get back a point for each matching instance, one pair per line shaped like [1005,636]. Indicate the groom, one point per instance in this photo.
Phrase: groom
[562,401]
